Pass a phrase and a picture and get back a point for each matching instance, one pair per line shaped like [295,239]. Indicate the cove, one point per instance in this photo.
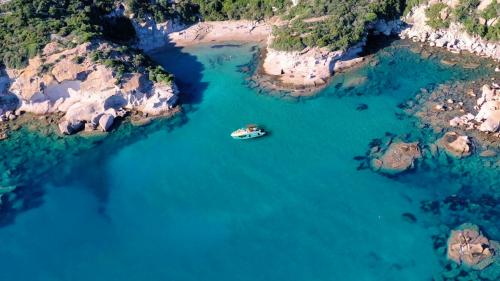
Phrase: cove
[181,200]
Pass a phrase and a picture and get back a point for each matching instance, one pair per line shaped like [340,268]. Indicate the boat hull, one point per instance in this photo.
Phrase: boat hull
[250,135]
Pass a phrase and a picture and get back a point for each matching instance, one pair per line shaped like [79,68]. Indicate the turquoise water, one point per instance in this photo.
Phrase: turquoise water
[181,200]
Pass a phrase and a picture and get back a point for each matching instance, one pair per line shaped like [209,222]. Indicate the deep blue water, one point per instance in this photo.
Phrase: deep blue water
[181,200]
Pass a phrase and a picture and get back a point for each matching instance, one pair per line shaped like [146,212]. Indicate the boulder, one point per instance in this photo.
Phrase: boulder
[468,246]
[397,158]
[106,121]
[455,145]
[70,127]
[492,123]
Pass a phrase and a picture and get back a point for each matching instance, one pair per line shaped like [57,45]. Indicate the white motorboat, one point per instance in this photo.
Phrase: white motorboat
[250,132]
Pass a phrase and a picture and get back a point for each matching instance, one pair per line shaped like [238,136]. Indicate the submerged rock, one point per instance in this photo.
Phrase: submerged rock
[397,158]
[488,153]
[468,246]
[361,107]
[455,145]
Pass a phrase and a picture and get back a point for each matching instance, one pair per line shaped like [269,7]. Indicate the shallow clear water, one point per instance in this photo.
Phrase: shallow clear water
[181,200]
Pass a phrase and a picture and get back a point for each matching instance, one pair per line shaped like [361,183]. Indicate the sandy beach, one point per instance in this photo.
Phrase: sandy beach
[222,31]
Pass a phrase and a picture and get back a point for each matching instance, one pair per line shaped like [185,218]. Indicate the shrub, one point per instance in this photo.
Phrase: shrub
[433,14]
[159,75]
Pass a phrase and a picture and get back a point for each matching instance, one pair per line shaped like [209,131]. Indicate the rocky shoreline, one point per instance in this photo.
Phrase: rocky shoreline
[89,92]
[70,76]
[453,39]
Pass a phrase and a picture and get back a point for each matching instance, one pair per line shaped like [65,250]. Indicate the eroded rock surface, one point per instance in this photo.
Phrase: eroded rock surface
[455,145]
[454,38]
[468,246]
[86,91]
[487,118]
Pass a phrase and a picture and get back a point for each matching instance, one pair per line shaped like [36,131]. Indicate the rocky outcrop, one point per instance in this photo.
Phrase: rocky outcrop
[455,145]
[487,119]
[311,67]
[468,246]
[70,127]
[397,158]
[489,109]
[90,94]
[314,66]
[453,38]
[152,35]
[8,101]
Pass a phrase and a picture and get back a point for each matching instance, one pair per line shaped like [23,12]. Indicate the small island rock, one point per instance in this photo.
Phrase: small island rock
[455,145]
[398,157]
[468,246]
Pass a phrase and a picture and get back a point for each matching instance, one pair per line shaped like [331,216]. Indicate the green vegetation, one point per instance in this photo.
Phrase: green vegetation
[477,23]
[240,9]
[159,75]
[474,22]
[127,60]
[162,10]
[338,24]
[410,4]
[434,16]
[26,25]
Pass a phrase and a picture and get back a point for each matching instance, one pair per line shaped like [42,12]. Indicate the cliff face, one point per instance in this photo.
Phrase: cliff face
[314,66]
[453,35]
[90,94]
[152,35]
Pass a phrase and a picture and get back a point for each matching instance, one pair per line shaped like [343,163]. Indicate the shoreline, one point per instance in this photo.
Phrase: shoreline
[296,74]
[299,73]
[221,31]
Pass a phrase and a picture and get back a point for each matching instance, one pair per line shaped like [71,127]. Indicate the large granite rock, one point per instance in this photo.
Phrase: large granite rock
[455,145]
[397,158]
[454,38]
[106,121]
[152,35]
[70,127]
[87,91]
[489,109]
[468,246]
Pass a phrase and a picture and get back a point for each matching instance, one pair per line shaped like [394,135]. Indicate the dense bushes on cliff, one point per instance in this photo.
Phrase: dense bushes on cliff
[26,25]
[439,15]
[336,24]
[434,18]
[240,9]
[162,10]
[476,22]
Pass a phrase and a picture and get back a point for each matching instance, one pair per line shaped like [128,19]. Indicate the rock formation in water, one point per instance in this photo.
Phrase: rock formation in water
[487,118]
[397,158]
[455,145]
[90,92]
[313,67]
[310,67]
[468,246]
